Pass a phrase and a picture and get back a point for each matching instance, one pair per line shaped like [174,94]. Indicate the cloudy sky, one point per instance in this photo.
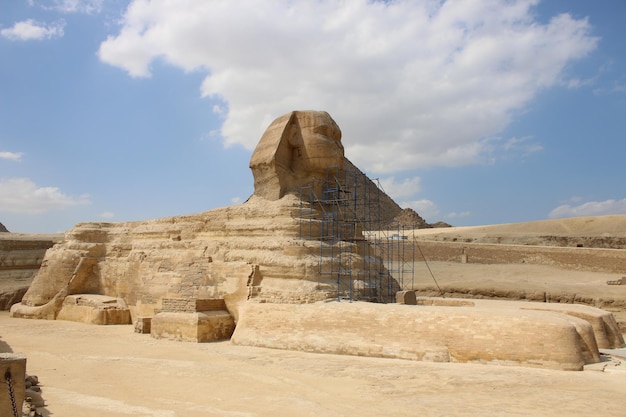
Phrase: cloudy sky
[468,111]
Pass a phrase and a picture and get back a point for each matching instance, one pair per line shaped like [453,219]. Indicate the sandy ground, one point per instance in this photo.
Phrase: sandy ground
[517,277]
[110,371]
[605,226]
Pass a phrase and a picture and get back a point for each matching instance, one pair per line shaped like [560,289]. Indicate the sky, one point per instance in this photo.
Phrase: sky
[470,112]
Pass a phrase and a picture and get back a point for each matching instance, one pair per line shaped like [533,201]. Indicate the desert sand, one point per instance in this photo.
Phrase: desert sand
[110,371]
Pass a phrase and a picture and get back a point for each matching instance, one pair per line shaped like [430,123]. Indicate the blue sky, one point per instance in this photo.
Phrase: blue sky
[470,112]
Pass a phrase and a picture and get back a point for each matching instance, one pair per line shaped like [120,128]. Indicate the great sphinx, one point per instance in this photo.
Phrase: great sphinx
[252,250]
[273,283]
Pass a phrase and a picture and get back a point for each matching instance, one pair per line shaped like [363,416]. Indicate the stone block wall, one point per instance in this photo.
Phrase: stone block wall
[587,259]
[192,305]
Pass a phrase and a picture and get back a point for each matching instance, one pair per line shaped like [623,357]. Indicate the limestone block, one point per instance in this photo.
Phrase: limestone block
[456,334]
[143,325]
[406,297]
[199,327]
[94,309]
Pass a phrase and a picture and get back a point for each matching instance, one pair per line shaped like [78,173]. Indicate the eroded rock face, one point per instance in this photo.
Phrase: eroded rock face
[20,258]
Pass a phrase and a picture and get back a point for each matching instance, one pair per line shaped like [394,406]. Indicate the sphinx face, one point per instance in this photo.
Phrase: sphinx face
[296,149]
[319,144]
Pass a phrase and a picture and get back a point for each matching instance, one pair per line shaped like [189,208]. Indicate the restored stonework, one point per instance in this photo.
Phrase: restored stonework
[193,320]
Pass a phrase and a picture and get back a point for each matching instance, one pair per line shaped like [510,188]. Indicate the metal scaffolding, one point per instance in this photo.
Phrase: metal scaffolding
[343,213]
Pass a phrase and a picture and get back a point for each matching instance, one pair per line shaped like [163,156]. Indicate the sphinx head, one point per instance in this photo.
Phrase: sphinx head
[296,149]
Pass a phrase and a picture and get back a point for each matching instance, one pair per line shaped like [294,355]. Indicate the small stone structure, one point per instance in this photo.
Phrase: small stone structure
[193,320]
[143,325]
[406,297]
[94,309]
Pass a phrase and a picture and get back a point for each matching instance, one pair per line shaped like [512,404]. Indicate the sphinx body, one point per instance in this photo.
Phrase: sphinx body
[252,250]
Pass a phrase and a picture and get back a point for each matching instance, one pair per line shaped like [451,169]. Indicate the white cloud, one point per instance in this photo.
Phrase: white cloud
[21,195]
[412,83]
[522,146]
[71,6]
[619,88]
[399,190]
[425,208]
[457,215]
[30,29]
[107,215]
[590,208]
[13,156]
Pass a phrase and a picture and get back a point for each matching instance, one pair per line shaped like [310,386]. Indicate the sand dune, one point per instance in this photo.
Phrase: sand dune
[614,225]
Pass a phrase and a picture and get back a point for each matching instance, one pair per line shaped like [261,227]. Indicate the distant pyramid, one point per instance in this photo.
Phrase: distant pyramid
[3,229]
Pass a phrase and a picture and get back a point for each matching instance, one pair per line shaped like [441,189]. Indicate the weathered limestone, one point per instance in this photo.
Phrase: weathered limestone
[606,332]
[438,334]
[20,258]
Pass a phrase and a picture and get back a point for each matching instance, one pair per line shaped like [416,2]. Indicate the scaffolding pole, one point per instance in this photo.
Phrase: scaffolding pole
[355,248]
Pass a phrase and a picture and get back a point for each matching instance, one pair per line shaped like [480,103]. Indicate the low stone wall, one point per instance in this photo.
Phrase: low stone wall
[440,334]
[587,259]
